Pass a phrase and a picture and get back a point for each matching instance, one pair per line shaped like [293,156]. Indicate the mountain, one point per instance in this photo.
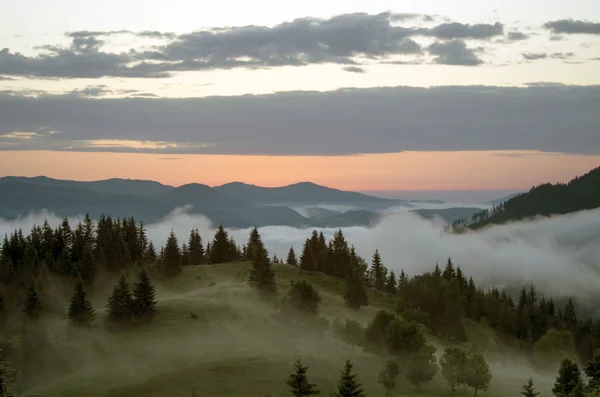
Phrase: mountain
[319,212]
[305,194]
[150,201]
[581,193]
[502,199]
[448,214]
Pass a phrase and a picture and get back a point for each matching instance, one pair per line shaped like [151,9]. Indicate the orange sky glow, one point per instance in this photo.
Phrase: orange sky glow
[406,171]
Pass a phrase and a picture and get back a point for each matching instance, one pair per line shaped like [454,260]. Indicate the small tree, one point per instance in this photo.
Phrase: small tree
[144,302]
[353,333]
[33,305]
[387,377]
[592,370]
[81,312]
[299,384]
[528,389]
[120,303]
[422,366]
[261,275]
[303,298]
[568,382]
[291,258]
[356,295]
[171,259]
[478,375]
[348,385]
[7,380]
[453,364]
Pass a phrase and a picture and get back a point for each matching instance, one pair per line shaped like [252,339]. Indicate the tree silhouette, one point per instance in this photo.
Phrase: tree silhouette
[299,384]
[81,312]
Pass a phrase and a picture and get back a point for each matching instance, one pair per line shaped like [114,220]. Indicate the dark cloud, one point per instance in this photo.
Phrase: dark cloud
[531,56]
[92,91]
[354,69]
[546,117]
[556,37]
[338,40]
[517,36]
[571,26]
[562,55]
[454,52]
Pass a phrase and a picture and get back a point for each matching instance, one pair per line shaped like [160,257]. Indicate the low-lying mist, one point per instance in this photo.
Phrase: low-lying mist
[560,254]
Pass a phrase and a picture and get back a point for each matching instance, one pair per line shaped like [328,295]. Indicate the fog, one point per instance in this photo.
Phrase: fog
[560,254]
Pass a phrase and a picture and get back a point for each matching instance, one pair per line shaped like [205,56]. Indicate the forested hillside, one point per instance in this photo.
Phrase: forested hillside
[581,193]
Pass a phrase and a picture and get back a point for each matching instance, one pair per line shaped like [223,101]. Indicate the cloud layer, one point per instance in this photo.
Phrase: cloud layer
[545,117]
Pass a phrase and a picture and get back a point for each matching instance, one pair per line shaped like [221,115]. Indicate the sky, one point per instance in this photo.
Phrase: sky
[381,96]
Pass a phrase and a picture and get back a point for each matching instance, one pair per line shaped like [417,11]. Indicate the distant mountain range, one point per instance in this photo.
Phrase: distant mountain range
[234,204]
[581,193]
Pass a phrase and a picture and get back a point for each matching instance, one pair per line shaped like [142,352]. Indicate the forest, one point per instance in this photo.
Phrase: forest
[435,304]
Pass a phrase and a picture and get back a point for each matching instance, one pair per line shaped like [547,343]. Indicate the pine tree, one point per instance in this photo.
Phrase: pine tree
[291,258]
[144,302]
[378,272]
[81,312]
[307,261]
[255,244]
[299,384]
[185,255]
[570,316]
[568,382]
[33,306]
[356,295]
[220,249]
[449,274]
[592,370]
[390,285]
[348,385]
[387,377]
[196,250]
[529,390]
[120,304]
[261,274]
[150,254]
[171,260]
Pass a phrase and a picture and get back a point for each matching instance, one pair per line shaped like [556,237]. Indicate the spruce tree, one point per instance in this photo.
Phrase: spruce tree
[378,272]
[120,304]
[261,274]
[307,261]
[291,258]
[390,285]
[185,255]
[81,312]
[348,385]
[150,254]
[171,261]
[33,305]
[144,302]
[254,244]
[356,295]
[592,370]
[529,390]
[299,384]
[220,249]
[568,382]
[196,250]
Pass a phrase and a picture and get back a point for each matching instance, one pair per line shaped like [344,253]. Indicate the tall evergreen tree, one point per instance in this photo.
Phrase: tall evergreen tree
[81,312]
[185,255]
[355,295]
[568,382]
[150,255]
[307,261]
[255,244]
[171,260]
[261,274]
[378,272]
[291,258]
[592,370]
[120,304]
[390,284]
[528,389]
[33,305]
[349,386]
[220,249]
[144,302]
[195,247]
[449,273]
[570,317]
[299,384]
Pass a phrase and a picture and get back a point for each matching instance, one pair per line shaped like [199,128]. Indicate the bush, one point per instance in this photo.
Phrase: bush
[418,316]
[212,284]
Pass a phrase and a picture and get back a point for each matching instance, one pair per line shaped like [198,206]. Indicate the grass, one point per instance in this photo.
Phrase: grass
[212,333]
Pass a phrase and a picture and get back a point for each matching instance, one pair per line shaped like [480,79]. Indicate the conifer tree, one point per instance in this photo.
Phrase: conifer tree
[570,316]
[291,258]
[387,377]
[150,254]
[185,255]
[390,285]
[348,385]
[171,261]
[220,249]
[81,312]
[378,272]
[254,244]
[144,302]
[449,274]
[261,275]
[568,382]
[196,250]
[592,370]
[529,390]
[299,384]
[7,380]
[33,305]
[306,257]
[120,304]
[356,295]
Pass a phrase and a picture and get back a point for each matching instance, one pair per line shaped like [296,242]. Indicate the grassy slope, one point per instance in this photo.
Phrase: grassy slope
[233,348]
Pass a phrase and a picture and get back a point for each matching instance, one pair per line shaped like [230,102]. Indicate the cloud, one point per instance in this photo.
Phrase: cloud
[571,26]
[341,39]
[92,91]
[562,55]
[354,69]
[170,158]
[453,52]
[530,56]
[320,123]
[558,254]
[517,36]
[5,78]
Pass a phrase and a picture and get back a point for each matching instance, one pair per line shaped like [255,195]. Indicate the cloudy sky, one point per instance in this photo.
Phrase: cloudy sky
[374,96]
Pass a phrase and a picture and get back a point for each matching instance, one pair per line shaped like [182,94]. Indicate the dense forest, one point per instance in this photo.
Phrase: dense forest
[581,193]
[435,303]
